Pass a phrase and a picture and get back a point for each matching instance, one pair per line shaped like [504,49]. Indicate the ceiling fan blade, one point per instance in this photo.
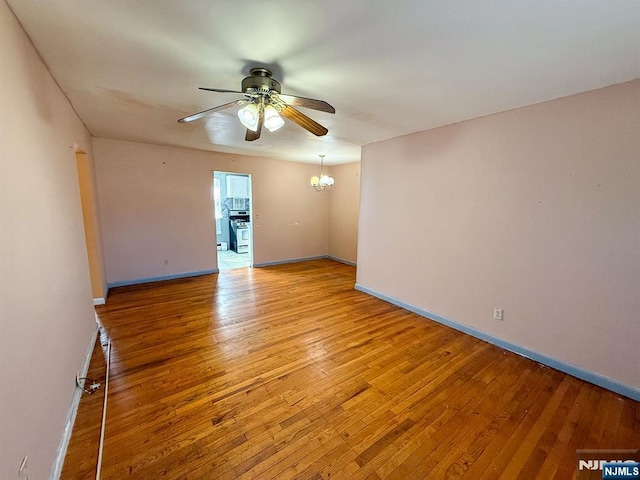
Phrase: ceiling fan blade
[304,121]
[204,113]
[220,90]
[307,103]
[250,136]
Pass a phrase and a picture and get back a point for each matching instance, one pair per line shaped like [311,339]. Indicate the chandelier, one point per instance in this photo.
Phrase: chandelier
[322,182]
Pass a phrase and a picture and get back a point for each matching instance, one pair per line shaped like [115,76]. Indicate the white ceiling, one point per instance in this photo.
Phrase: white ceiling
[132,68]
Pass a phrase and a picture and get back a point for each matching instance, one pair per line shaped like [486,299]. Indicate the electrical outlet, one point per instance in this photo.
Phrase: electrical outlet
[22,471]
[166,261]
[497,313]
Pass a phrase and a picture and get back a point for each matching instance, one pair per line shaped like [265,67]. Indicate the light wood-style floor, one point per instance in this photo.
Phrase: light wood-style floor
[288,372]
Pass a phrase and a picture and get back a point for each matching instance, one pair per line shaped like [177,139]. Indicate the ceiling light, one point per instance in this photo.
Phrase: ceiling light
[272,119]
[249,116]
[322,182]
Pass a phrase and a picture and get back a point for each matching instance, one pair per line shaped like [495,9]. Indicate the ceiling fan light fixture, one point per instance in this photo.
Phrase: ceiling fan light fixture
[249,116]
[265,106]
[272,119]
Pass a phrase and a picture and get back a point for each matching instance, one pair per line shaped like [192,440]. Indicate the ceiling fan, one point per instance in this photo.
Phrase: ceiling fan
[265,105]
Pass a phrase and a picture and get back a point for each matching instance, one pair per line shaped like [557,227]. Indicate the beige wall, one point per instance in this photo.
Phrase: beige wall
[46,314]
[156,203]
[344,205]
[535,210]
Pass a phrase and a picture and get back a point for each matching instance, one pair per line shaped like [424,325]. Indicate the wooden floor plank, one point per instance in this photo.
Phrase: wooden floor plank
[288,372]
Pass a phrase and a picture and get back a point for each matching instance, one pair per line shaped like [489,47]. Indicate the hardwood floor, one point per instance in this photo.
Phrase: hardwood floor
[288,372]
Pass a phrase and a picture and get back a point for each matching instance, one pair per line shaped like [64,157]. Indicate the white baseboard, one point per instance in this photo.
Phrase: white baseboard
[99,301]
[138,281]
[342,260]
[304,259]
[289,260]
[56,470]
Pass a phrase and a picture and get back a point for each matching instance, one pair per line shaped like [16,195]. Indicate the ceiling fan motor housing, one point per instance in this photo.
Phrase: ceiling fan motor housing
[260,80]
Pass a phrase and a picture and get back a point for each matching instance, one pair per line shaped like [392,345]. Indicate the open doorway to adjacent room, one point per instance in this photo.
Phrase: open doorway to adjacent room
[233,207]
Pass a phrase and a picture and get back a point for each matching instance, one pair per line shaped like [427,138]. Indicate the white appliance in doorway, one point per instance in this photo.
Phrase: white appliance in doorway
[240,231]
[244,238]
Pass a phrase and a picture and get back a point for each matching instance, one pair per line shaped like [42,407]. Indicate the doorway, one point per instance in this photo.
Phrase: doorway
[233,207]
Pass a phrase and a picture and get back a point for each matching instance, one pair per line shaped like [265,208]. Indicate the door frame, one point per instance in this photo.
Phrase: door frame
[251,210]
